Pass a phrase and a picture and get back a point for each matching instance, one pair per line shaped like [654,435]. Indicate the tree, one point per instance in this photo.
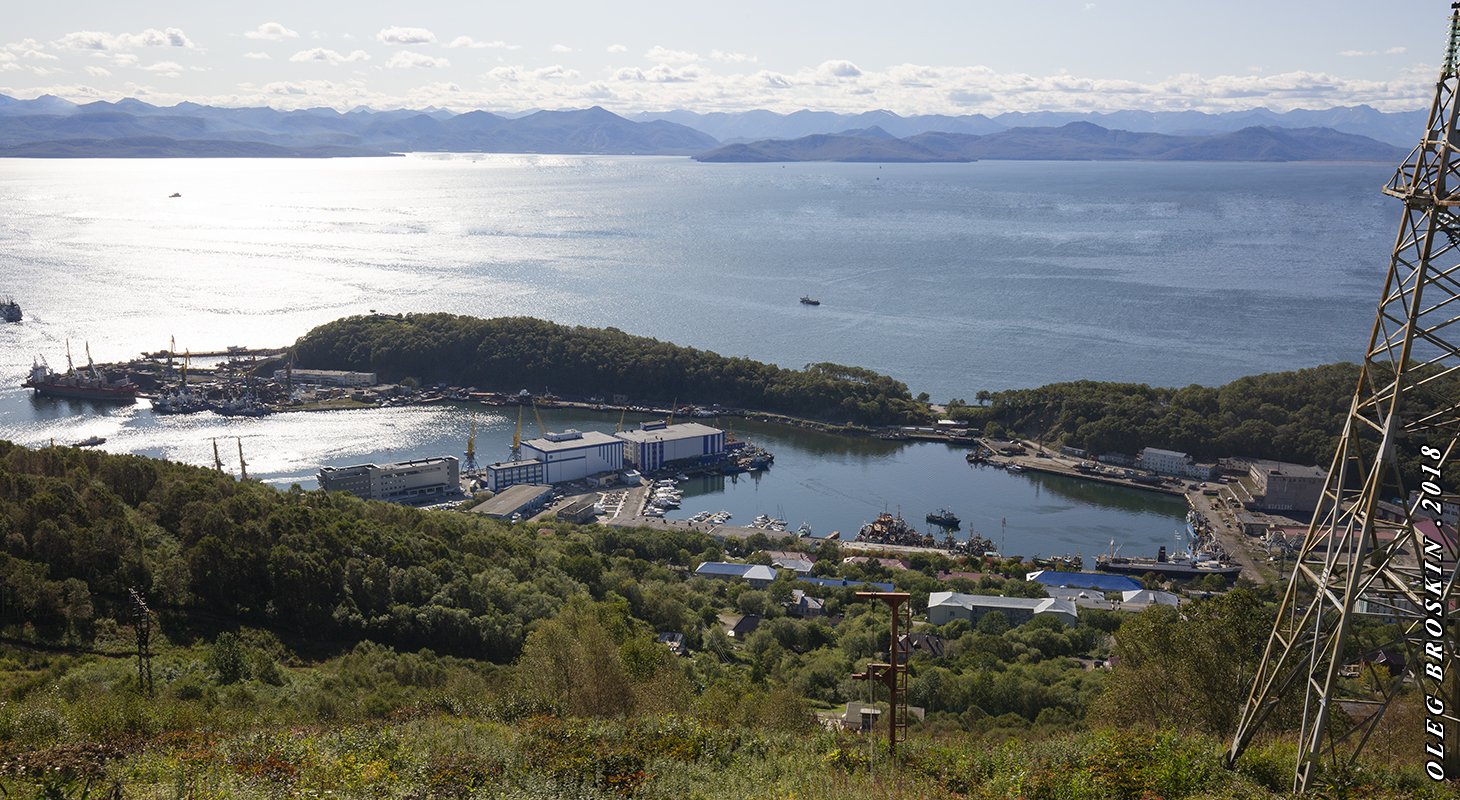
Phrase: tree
[1185,669]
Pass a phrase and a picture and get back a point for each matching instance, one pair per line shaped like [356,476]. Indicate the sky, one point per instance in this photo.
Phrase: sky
[910,57]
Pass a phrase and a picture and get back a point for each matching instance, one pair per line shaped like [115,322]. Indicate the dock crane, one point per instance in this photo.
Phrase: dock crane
[620,427]
[242,465]
[541,429]
[471,445]
[673,408]
[217,460]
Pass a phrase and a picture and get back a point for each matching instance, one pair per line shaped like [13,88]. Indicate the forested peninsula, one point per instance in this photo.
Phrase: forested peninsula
[511,353]
[1292,416]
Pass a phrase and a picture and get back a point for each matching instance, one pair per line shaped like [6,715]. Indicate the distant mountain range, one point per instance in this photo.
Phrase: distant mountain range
[1396,128]
[1076,141]
[50,127]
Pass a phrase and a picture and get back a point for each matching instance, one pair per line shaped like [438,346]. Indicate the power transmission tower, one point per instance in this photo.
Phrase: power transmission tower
[1362,555]
[142,621]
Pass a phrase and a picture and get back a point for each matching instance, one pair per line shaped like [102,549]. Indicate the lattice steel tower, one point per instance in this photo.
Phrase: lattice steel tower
[1359,558]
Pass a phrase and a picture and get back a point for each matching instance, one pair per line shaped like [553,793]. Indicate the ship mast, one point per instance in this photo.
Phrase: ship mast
[70,368]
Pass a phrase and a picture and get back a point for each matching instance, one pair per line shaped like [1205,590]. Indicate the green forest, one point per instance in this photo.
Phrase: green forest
[511,353]
[1292,416]
[307,644]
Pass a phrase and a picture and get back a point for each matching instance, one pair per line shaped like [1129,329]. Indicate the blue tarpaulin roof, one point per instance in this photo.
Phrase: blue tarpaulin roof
[1084,580]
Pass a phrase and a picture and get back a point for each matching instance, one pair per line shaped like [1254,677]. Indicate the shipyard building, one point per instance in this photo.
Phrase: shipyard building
[327,377]
[1279,486]
[657,444]
[407,481]
[572,455]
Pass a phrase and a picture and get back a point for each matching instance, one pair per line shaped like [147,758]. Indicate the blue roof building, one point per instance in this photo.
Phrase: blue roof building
[1084,580]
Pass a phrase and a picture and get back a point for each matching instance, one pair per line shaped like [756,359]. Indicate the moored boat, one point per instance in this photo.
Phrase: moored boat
[10,310]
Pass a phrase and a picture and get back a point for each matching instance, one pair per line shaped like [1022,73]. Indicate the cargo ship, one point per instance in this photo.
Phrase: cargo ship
[1181,566]
[86,384]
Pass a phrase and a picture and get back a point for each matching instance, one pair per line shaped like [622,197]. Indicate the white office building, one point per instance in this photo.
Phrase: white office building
[944,607]
[407,481]
[656,444]
[327,377]
[573,455]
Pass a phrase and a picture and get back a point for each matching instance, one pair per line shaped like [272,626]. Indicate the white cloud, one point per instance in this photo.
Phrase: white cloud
[258,56]
[840,68]
[467,41]
[167,69]
[98,40]
[405,36]
[272,31]
[662,73]
[519,74]
[732,58]
[617,48]
[328,56]
[407,59]
[666,56]
[561,48]
[98,72]
[1396,51]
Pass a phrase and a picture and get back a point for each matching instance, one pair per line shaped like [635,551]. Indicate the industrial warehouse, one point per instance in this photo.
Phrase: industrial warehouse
[577,455]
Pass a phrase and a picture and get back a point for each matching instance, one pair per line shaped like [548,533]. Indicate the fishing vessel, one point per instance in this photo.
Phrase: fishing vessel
[944,517]
[807,300]
[90,441]
[90,383]
[10,310]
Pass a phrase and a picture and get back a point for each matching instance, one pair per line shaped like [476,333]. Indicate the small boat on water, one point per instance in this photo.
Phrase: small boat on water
[944,517]
[807,300]
[90,441]
[10,310]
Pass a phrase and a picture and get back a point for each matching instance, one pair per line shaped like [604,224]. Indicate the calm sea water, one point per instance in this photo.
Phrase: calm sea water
[953,278]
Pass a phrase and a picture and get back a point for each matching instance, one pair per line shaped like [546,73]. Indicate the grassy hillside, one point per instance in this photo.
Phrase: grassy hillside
[308,644]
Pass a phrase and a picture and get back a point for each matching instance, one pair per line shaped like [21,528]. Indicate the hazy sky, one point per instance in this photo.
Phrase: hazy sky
[909,57]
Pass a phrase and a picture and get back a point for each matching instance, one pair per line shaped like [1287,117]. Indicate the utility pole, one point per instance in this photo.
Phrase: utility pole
[1361,555]
[893,674]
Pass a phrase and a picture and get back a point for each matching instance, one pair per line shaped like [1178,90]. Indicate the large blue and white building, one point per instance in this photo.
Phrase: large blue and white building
[656,444]
[572,455]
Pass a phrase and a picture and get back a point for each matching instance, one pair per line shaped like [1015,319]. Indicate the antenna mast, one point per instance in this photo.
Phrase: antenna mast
[1400,432]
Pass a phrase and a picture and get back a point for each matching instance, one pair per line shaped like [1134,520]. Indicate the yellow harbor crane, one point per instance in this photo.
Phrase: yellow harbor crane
[541,429]
[471,445]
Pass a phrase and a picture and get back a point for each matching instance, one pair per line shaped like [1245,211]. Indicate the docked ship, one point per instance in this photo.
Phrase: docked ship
[85,384]
[10,310]
[887,529]
[1181,566]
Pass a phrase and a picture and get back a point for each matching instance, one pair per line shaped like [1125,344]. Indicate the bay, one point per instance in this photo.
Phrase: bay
[953,278]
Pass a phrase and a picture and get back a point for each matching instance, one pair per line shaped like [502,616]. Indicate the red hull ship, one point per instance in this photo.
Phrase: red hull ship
[87,384]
